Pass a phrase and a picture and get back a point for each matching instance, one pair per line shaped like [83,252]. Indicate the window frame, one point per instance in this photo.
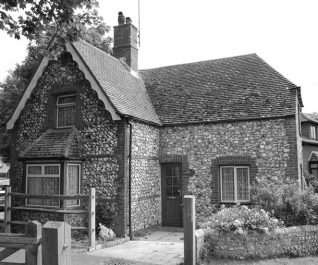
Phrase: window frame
[79,183]
[42,175]
[235,185]
[63,105]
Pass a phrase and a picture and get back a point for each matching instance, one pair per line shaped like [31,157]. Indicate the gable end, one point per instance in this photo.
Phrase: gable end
[95,86]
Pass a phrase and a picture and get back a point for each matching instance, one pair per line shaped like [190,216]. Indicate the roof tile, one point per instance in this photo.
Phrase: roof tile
[126,92]
[54,143]
[241,87]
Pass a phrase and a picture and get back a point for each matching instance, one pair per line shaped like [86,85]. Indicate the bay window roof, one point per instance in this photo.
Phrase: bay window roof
[54,143]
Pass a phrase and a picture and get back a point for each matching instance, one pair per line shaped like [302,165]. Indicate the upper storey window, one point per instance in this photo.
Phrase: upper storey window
[313,133]
[66,110]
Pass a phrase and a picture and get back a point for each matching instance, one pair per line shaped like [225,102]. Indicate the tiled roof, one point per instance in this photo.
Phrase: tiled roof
[309,117]
[309,141]
[126,92]
[54,143]
[242,87]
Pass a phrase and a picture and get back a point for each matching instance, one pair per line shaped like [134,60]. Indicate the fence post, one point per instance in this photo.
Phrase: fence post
[56,243]
[7,210]
[33,253]
[91,218]
[189,230]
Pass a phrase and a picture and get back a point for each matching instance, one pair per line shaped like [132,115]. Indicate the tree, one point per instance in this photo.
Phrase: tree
[30,18]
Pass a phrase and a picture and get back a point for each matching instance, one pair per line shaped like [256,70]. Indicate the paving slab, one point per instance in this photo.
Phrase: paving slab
[163,246]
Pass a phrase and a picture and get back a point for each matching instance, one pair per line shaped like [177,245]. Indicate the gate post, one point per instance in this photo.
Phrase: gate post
[7,210]
[189,230]
[91,218]
[33,253]
[56,243]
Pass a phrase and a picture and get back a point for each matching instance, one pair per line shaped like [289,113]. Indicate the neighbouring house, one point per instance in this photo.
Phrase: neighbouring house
[309,132]
[146,138]
[4,169]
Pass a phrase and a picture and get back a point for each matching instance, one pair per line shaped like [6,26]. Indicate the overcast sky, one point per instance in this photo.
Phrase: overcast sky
[283,32]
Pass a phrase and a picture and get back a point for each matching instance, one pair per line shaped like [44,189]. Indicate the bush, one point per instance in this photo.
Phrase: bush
[242,218]
[286,201]
[311,180]
[105,212]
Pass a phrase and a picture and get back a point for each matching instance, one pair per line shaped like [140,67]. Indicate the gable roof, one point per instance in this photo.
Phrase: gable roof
[120,91]
[125,91]
[235,88]
[54,143]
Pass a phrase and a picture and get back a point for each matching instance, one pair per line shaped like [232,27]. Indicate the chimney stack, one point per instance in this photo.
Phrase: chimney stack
[125,42]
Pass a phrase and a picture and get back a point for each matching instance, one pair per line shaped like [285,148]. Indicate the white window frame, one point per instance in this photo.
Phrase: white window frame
[63,106]
[79,183]
[42,175]
[313,132]
[235,183]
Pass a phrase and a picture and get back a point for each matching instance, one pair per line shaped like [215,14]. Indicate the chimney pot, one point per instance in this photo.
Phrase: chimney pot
[121,18]
[125,42]
[128,20]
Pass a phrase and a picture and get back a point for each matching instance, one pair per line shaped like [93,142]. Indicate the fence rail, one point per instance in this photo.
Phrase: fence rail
[8,208]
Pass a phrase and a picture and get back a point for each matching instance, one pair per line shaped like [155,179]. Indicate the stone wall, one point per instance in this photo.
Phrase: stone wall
[146,196]
[97,134]
[269,146]
[292,241]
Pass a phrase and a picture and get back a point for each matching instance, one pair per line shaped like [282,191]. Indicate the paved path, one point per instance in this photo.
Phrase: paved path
[163,247]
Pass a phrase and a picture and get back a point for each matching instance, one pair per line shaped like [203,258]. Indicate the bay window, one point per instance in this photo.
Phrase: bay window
[43,179]
[51,179]
[235,184]
[73,182]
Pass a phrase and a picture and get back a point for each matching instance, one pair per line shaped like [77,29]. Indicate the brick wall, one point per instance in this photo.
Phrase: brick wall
[292,241]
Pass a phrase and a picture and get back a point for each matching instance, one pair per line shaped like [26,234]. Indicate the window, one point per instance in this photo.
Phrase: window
[173,180]
[66,110]
[73,182]
[235,182]
[43,180]
[313,134]
[313,168]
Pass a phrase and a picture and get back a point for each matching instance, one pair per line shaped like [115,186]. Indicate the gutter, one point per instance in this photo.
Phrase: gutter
[129,179]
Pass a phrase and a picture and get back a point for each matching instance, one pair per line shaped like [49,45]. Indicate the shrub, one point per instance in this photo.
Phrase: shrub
[242,218]
[286,201]
[105,212]
[311,180]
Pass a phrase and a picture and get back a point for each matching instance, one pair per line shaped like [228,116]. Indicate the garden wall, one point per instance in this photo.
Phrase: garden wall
[291,241]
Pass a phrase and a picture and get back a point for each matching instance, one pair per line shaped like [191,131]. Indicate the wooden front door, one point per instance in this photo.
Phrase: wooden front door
[171,190]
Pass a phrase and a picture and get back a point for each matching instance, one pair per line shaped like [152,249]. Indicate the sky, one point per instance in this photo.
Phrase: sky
[282,32]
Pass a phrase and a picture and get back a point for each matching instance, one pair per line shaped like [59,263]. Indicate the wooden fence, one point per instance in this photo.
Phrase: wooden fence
[47,245]
[8,208]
